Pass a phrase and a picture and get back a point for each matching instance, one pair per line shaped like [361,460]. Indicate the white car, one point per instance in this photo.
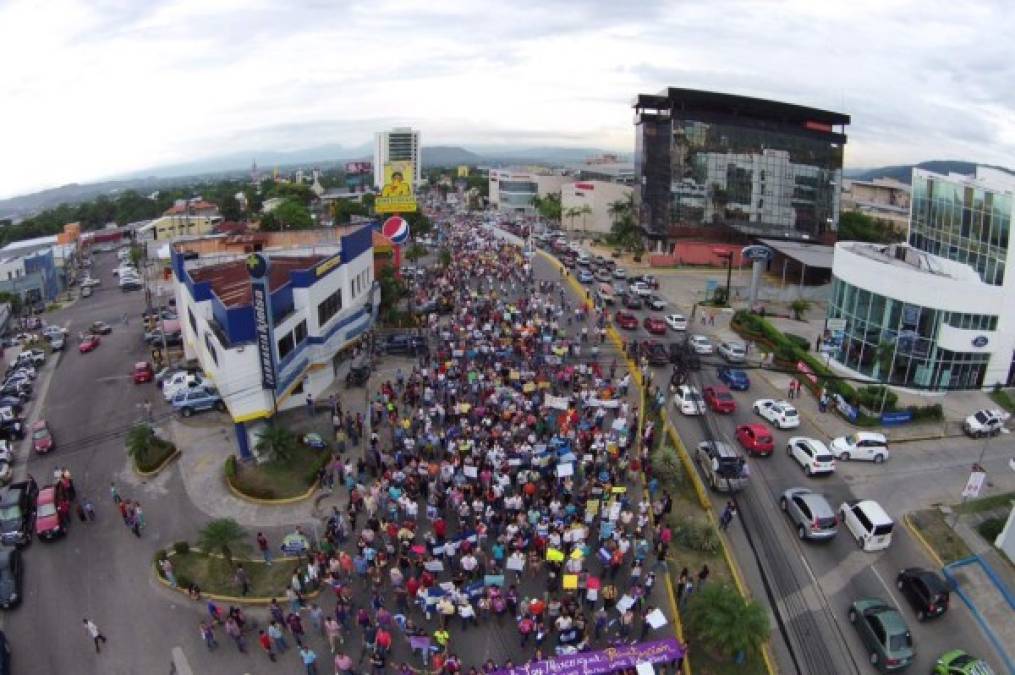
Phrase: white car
[868,445]
[985,423]
[780,413]
[676,321]
[812,455]
[180,382]
[619,273]
[655,302]
[88,282]
[641,289]
[688,400]
[733,352]
[701,344]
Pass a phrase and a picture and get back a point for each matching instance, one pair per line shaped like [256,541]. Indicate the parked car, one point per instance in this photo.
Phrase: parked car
[626,320]
[655,303]
[868,522]
[602,275]
[641,290]
[985,423]
[143,372]
[688,401]
[180,381]
[88,282]
[811,454]
[734,378]
[654,326]
[732,352]
[958,662]
[721,465]
[868,445]
[154,338]
[810,512]
[17,513]
[755,439]
[57,343]
[676,321]
[619,273]
[90,343]
[100,328]
[197,399]
[47,515]
[632,301]
[701,344]
[780,413]
[36,357]
[719,399]
[10,579]
[403,343]
[924,590]
[42,438]
[884,633]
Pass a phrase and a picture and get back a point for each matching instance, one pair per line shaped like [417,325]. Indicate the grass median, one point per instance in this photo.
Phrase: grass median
[290,472]
[933,527]
[215,575]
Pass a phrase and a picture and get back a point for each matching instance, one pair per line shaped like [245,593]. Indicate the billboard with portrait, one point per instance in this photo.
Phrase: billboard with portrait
[397,194]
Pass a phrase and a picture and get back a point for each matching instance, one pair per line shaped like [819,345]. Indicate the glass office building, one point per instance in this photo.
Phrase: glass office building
[708,160]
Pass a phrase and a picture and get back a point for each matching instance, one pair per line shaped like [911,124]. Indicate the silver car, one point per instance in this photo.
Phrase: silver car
[734,352]
[810,512]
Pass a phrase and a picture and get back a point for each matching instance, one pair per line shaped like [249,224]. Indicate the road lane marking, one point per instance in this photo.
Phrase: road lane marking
[891,593]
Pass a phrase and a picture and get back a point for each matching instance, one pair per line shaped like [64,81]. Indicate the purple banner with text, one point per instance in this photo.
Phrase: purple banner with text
[602,662]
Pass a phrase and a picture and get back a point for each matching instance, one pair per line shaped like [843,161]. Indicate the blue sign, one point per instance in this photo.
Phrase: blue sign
[892,419]
[980,341]
[848,411]
[262,326]
[756,253]
[257,266]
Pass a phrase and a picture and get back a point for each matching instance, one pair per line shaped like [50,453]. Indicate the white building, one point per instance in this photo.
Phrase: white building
[322,299]
[514,189]
[931,313]
[598,196]
[401,144]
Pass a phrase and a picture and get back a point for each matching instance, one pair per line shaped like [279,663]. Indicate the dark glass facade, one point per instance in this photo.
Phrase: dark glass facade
[715,160]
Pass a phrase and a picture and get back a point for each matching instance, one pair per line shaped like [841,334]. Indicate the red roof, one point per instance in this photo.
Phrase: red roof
[230,281]
[231,227]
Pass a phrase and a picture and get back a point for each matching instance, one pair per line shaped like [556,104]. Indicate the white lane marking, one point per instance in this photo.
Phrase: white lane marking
[891,593]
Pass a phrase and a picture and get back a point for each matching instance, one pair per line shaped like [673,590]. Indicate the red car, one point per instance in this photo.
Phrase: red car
[49,523]
[719,399]
[626,321]
[654,325]
[89,344]
[755,439]
[143,372]
[42,440]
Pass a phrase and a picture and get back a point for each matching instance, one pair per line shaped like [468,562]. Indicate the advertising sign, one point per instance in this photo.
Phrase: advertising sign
[463,171]
[257,267]
[397,194]
[396,229]
[756,253]
[848,411]
[613,660]
[807,372]
[359,167]
[894,419]
[974,485]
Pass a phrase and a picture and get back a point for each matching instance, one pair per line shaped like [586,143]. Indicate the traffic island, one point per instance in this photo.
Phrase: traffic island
[289,473]
[148,452]
[217,579]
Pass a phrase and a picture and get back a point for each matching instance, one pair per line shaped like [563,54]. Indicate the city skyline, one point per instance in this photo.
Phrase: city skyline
[102,90]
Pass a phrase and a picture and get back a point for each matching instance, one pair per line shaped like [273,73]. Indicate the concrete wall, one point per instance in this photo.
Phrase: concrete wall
[598,196]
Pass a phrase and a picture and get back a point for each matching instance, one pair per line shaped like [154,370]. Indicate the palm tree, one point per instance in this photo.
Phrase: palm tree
[725,622]
[276,441]
[799,306]
[585,210]
[225,536]
[414,253]
[140,440]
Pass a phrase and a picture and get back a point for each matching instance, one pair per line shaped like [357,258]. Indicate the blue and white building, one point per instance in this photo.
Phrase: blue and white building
[322,300]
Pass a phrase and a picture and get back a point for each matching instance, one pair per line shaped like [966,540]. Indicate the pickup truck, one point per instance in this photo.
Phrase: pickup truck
[985,423]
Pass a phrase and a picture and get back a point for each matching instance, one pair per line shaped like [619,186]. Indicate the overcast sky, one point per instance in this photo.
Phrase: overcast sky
[103,87]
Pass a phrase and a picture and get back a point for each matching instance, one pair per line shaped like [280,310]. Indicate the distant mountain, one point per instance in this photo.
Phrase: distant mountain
[904,172]
[447,156]
[538,155]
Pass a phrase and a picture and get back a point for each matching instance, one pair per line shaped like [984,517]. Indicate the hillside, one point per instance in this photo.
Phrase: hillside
[904,172]
[447,156]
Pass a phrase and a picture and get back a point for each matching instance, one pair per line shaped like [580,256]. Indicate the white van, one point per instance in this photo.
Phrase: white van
[868,523]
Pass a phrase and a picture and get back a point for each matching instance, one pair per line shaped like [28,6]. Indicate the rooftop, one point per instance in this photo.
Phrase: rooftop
[191,208]
[907,257]
[733,104]
[29,243]
[817,256]
[230,280]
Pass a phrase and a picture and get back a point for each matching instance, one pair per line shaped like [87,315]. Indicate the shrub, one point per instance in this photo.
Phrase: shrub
[183,581]
[231,466]
[927,413]
[990,528]
[871,397]
[697,536]
[160,555]
[798,341]
[667,468]
[181,548]
[259,492]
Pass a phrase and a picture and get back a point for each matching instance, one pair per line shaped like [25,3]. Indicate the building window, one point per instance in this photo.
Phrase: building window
[211,348]
[300,332]
[285,346]
[329,307]
[193,321]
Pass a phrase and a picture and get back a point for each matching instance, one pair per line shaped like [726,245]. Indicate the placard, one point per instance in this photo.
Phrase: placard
[433,566]
[592,507]
[625,603]
[565,470]
[494,580]
[470,471]
[656,618]
[570,582]
[553,555]
[644,668]
[618,489]
[516,564]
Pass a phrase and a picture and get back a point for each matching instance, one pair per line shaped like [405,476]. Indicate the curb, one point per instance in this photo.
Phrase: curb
[913,530]
[154,472]
[270,502]
[230,599]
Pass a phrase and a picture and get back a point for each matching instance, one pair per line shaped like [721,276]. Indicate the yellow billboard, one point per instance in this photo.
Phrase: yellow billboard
[463,171]
[396,195]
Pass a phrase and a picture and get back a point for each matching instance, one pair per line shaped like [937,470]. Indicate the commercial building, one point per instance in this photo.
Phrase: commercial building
[705,160]
[883,198]
[401,144]
[179,225]
[62,246]
[930,314]
[587,205]
[514,189]
[321,299]
[32,276]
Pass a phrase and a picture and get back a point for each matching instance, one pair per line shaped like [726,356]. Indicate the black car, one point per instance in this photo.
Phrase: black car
[12,430]
[401,343]
[10,577]
[5,655]
[632,301]
[658,355]
[926,592]
[17,513]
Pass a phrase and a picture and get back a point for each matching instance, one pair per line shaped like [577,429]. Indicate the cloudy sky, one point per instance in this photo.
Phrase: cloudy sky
[103,87]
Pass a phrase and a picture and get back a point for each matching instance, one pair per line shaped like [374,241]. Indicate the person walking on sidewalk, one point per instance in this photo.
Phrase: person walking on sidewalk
[96,634]
[727,515]
[264,548]
[309,660]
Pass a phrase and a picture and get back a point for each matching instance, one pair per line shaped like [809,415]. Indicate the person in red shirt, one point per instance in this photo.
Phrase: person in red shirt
[265,642]
[383,641]
[440,529]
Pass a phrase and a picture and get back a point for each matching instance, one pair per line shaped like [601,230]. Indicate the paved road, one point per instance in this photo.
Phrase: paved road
[813,584]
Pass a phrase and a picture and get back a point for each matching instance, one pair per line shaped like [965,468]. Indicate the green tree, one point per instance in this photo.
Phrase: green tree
[344,209]
[856,226]
[225,536]
[298,192]
[277,442]
[139,441]
[419,223]
[230,209]
[548,207]
[392,289]
[799,307]
[12,299]
[724,622]
[289,215]
[414,253]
